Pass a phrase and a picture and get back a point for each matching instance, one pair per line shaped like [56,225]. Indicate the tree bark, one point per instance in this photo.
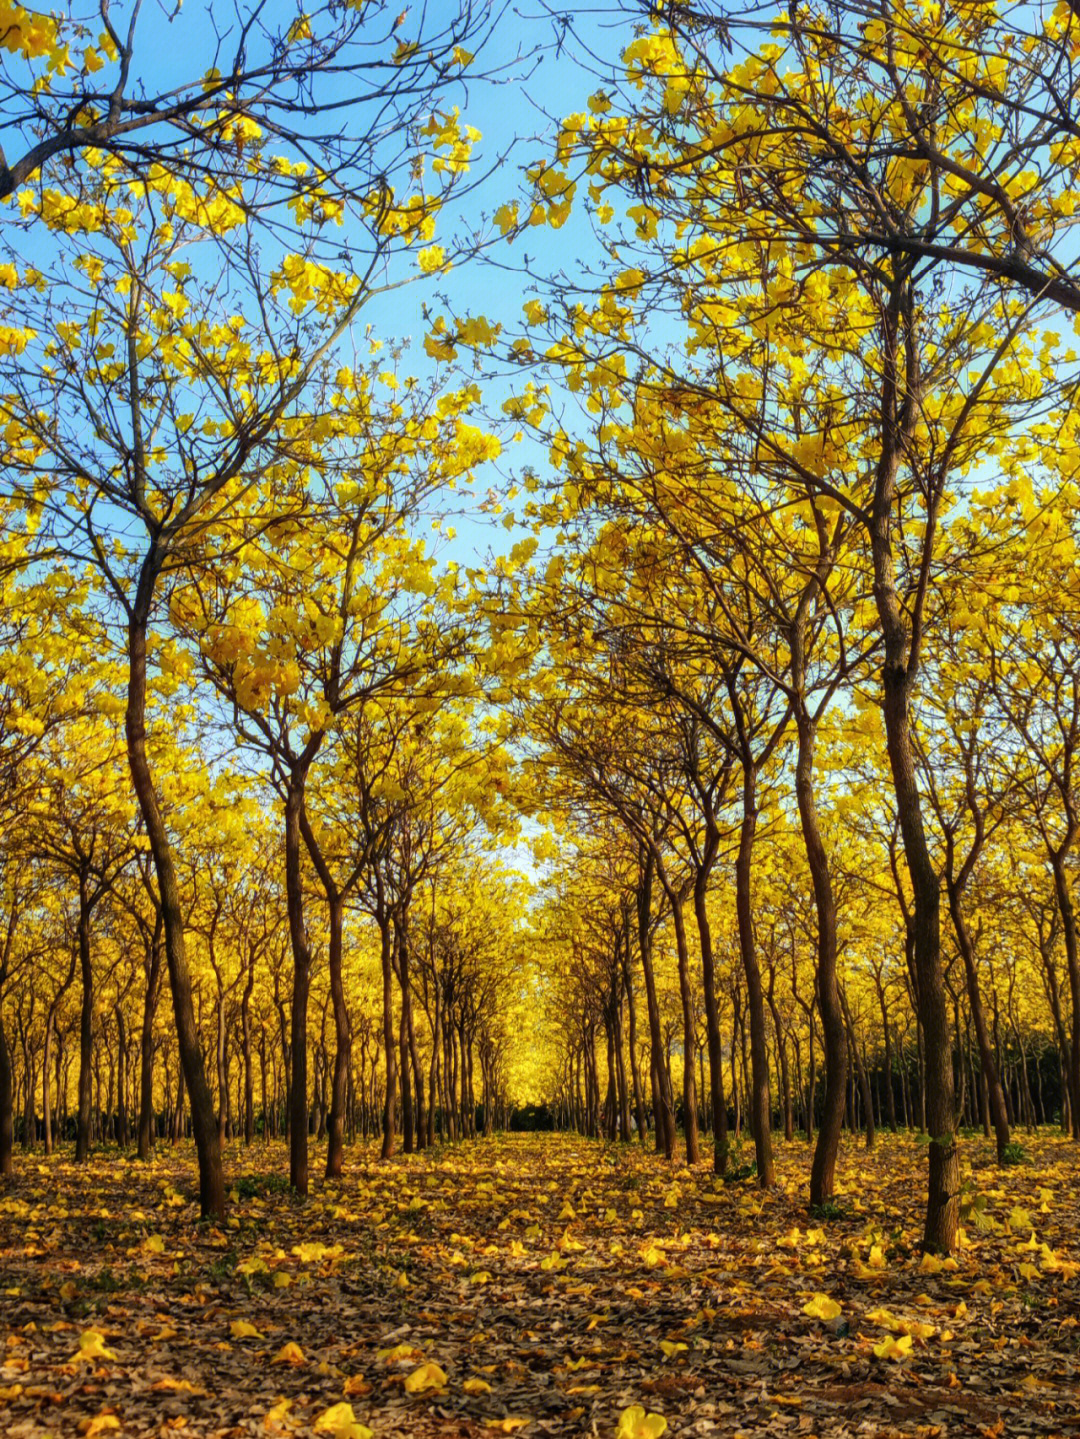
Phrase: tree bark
[760,1101]
[665,1112]
[834,1042]
[7,1118]
[146,1044]
[690,1118]
[1072,960]
[86,1021]
[899,671]
[712,1010]
[389,1041]
[991,1078]
[298,1041]
[207,1145]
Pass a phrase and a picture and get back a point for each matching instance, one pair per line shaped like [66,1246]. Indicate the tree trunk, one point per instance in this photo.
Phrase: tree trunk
[690,1119]
[991,1078]
[665,1112]
[298,1039]
[1072,959]
[121,1079]
[7,1118]
[712,1010]
[834,1043]
[146,1043]
[207,1145]
[389,1044]
[249,1070]
[631,1021]
[899,671]
[86,1021]
[335,1148]
[46,1106]
[760,1102]
[861,1072]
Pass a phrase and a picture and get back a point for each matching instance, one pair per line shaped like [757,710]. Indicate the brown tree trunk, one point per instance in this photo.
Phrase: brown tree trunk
[665,1108]
[714,1039]
[890,1097]
[46,1105]
[249,1068]
[389,1042]
[298,1039]
[991,1078]
[121,1080]
[631,1023]
[86,1022]
[7,1118]
[208,1148]
[1072,960]
[690,1117]
[861,1073]
[834,1042]
[760,1101]
[335,1149]
[146,1043]
[899,671]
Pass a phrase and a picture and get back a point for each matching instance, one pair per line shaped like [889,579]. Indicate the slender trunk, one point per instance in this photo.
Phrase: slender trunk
[890,1097]
[249,1065]
[298,1041]
[121,1079]
[7,1119]
[991,1077]
[335,1149]
[46,1060]
[782,1061]
[433,1070]
[631,1022]
[405,1083]
[207,1145]
[898,677]
[665,1111]
[761,1104]
[178,1112]
[690,1118]
[834,1043]
[1072,959]
[29,1134]
[146,1042]
[222,1076]
[389,1047]
[418,1081]
[712,1010]
[620,1061]
[86,1021]
[861,1072]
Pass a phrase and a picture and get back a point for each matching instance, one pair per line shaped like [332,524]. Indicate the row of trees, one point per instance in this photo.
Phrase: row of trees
[603,1078]
[815,554]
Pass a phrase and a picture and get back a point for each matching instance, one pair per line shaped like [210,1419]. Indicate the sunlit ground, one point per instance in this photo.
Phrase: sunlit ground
[552,1283]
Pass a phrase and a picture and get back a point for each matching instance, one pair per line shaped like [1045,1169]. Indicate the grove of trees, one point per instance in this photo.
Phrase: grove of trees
[736,795]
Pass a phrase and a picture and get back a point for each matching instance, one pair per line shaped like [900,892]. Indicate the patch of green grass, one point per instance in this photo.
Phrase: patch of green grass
[831,1209]
[258,1186]
[736,1173]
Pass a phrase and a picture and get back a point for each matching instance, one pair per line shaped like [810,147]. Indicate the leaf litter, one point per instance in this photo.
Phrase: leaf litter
[539,1285]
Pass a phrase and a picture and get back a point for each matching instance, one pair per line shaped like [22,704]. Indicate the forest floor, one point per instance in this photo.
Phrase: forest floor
[538,1285]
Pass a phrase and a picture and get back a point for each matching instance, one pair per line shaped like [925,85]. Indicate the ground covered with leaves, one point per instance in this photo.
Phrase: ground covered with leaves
[539,1285]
